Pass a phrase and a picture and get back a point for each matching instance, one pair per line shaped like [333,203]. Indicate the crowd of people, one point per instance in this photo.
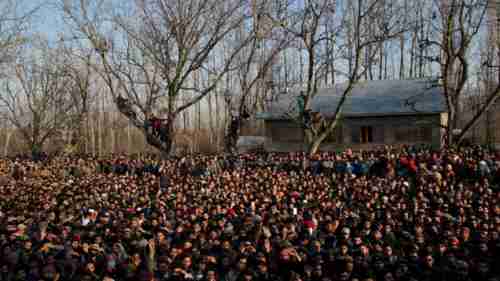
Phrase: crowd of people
[389,214]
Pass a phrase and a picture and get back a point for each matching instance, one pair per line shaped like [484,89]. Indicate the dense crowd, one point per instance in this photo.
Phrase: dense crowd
[406,214]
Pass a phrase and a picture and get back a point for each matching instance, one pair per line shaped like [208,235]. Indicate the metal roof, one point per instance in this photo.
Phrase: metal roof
[368,98]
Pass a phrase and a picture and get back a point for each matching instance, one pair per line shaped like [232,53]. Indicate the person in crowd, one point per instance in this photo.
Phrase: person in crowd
[387,214]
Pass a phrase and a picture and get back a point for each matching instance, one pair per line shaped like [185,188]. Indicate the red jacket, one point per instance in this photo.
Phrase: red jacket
[156,123]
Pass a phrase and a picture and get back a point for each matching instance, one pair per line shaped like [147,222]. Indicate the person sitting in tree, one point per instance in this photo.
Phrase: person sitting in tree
[245,115]
[317,121]
[124,106]
[147,124]
[235,126]
[121,102]
[163,131]
[307,119]
[156,126]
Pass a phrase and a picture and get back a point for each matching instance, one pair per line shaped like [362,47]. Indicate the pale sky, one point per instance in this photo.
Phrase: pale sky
[47,19]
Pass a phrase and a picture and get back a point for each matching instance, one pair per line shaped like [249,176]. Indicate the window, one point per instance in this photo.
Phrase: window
[362,134]
[366,134]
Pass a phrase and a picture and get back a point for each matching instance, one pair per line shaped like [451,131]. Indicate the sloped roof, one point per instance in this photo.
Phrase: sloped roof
[368,98]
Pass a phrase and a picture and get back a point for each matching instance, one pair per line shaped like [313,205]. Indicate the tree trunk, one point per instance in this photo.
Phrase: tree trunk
[301,73]
[199,133]
[112,133]
[36,147]
[386,58]
[210,121]
[87,132]
[484,109]
[449,128]
[7,143]
[129,139]
[314,146]
[412,55]
[382,60]
[81,134]
[165,147]
[217,131]
[402,58]
[100,124]
[231,136]
[421,49]
[402,46]
[92,134]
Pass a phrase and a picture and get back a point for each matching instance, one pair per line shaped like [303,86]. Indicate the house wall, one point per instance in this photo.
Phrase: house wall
[487,128]
[284,135]
[253,127]
[495,127]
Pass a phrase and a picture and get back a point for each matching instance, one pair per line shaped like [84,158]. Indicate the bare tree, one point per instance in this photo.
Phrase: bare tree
[489,75]
[82,90]
[35,100]
[305,25]
[461,21]
[12,27]
[360,41]
[254,77]
[162,45]
[419,16]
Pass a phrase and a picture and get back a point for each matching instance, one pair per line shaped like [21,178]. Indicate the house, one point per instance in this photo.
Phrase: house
[376,113]
[487,129]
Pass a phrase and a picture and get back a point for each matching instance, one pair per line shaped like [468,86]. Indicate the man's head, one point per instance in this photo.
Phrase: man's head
[346,232]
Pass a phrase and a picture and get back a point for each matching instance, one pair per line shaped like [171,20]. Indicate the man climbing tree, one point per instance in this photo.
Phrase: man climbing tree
[234,130]
[164,46]
[124,105]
